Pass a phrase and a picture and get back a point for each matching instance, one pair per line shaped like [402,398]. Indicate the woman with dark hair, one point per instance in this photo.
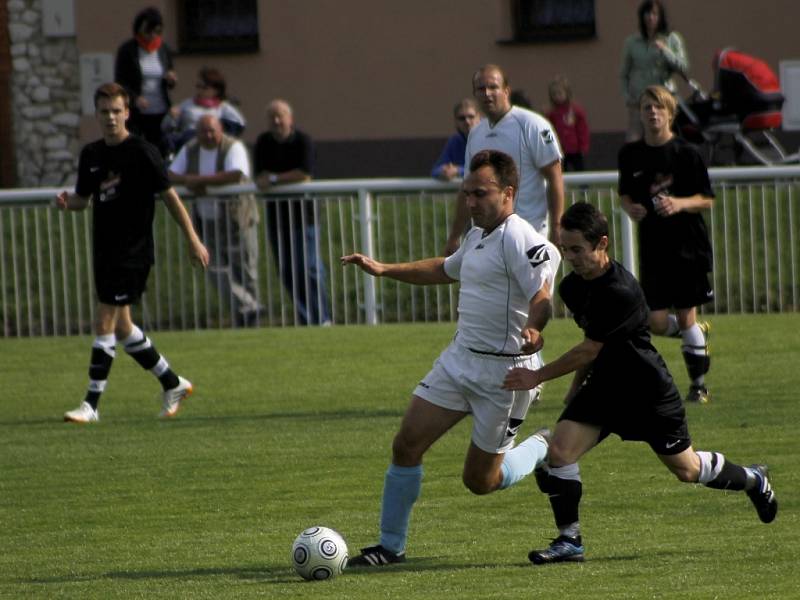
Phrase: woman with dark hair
[650,57]
[144,68]
[210,99]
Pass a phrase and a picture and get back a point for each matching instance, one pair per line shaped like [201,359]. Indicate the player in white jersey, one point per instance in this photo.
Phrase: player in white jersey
[530,140]
[506,271]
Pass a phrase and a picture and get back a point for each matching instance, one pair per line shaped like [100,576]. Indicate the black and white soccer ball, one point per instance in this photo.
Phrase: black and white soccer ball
[319,553]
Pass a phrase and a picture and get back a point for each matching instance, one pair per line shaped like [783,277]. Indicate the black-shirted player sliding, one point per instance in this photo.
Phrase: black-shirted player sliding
[120,175]
[608,305]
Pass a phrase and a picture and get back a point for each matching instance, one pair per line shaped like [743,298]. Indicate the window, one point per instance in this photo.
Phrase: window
[217,25]
[552,20]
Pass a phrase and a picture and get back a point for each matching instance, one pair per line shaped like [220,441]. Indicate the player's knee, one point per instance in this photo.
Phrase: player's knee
[478,485]
[404,452]
[686,474]
[558,454]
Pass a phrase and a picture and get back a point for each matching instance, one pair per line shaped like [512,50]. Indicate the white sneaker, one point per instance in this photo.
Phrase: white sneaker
[174,397]
[83,414]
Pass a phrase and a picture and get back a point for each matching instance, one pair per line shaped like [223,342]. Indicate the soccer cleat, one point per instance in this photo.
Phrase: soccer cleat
[83,414]
[174,397]
[762,496]
[376,556]
[698,394]
[563,549]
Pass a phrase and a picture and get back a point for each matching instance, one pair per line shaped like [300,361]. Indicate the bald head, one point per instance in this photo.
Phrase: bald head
[280,118]
[209,132]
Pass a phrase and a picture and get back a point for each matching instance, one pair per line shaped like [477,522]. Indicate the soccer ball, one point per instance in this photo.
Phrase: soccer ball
[319,553]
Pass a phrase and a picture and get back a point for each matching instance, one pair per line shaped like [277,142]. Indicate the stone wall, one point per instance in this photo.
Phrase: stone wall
[46,104]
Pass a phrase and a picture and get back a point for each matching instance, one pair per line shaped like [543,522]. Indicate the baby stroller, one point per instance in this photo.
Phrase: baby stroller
[741,112]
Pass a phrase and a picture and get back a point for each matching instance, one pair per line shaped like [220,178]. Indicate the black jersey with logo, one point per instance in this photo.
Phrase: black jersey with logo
[611,309]
[123,181]
[676,169]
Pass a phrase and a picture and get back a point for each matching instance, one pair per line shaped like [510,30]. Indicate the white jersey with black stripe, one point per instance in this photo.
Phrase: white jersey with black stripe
[531,141]
[500,272]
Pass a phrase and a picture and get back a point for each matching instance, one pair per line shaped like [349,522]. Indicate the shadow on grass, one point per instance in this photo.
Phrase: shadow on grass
[192,419]
[284,575]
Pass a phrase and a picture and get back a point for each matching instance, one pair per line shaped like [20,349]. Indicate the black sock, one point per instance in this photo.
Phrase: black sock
[99,367]
[144,352]
[564,495]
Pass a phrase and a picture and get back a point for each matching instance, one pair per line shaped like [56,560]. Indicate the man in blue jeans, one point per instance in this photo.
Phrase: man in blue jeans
[284,154]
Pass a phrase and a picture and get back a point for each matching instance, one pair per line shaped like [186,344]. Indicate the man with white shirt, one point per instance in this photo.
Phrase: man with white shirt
[229,228]
[506,272]
[530,140]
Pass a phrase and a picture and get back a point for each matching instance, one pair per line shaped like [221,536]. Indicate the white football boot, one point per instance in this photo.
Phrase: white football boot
[174,397]
[83,414]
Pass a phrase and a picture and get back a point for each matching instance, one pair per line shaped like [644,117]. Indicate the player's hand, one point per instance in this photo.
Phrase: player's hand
[636,212]
[62,200]
[533,341]
[199,254]
[521,379]
[373,267]
[666,206]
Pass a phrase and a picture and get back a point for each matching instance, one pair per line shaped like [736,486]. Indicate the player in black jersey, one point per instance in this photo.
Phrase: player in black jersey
[621,385]
[120,176]
[664,186]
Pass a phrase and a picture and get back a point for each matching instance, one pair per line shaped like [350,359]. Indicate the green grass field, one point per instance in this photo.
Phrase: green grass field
[292,427]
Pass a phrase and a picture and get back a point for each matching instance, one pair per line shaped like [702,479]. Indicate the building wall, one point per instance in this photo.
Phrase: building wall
[45,98]
[374,82]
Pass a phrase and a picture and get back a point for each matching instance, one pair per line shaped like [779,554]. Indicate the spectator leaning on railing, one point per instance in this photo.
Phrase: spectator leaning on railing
[284,154]
[228,228]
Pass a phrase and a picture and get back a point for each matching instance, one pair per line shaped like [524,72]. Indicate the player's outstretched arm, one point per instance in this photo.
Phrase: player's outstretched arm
[428,271]
[67,201]
[197,251]
[574,359]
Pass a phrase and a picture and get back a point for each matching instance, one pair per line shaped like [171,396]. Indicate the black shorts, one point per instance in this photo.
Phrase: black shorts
[675,287]
[662,425]
[120,286]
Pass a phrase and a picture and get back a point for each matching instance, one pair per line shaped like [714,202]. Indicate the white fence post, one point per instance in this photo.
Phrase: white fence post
[628,255]
[367,248]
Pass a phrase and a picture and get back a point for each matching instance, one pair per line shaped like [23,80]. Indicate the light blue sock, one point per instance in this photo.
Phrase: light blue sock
[520,461]
[400,490]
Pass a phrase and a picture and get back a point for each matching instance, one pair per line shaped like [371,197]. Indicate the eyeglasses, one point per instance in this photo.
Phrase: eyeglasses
[465,117]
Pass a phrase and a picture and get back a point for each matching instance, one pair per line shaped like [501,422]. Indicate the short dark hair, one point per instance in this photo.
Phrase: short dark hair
[214,79]
[585,218]
[150,16]
[502,165]
[646,7]
[111,91]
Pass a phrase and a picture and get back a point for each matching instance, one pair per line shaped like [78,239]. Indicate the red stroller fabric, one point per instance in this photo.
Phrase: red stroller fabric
[748,88]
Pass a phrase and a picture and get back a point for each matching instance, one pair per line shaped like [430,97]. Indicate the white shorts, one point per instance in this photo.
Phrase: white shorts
[465,381]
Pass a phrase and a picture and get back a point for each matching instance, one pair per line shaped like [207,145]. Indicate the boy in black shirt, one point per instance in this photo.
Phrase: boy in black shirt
[120,175]
[664,185]
[608,304]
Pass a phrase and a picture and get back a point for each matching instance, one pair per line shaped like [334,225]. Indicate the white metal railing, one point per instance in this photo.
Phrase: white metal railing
[46,283]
